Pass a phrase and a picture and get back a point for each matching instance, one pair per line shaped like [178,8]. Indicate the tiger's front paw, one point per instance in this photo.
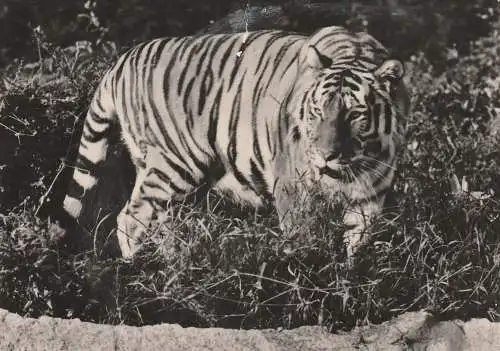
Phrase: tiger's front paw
[289,229]
[353,241]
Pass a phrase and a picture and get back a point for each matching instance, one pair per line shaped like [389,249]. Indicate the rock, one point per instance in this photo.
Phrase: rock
[482,335]
[410,331]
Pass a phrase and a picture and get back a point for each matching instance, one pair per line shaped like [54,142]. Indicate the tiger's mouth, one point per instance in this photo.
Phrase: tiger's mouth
[338,168]
[332,173]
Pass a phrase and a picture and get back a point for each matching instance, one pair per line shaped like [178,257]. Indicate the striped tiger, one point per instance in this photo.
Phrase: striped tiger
[248,112]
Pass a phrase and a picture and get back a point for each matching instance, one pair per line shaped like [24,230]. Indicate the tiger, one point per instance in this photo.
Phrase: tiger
[248,113]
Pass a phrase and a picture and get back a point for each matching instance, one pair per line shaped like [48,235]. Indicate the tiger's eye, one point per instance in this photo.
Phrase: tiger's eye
[354,115]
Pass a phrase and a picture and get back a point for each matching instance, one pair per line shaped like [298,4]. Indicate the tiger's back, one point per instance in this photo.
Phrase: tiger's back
[203,96]
[211,110]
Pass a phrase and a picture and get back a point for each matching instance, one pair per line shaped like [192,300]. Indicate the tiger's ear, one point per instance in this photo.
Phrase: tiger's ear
[316,59]
[390,70]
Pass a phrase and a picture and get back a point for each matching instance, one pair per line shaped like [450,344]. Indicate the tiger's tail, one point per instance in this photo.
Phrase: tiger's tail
[92,151]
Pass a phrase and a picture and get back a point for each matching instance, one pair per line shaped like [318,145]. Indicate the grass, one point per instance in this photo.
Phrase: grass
[439,252]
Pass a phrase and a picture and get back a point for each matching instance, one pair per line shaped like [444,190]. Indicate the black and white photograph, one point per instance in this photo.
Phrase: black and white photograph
[250,175]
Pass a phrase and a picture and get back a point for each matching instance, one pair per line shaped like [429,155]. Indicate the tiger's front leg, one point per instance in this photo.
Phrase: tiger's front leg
[289,198]
[359,218]
[283,208]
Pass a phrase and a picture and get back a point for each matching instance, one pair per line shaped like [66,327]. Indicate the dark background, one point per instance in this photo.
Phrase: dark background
[404,25]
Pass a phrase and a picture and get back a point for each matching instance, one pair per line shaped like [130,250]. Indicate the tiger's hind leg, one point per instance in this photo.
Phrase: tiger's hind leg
[157,184]
[134,219]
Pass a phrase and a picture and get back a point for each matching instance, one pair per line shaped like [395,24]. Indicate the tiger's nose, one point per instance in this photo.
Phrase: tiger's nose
[332,155]
[333,150]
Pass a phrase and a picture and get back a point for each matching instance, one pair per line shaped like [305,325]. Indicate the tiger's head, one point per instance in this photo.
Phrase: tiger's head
[350,116]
